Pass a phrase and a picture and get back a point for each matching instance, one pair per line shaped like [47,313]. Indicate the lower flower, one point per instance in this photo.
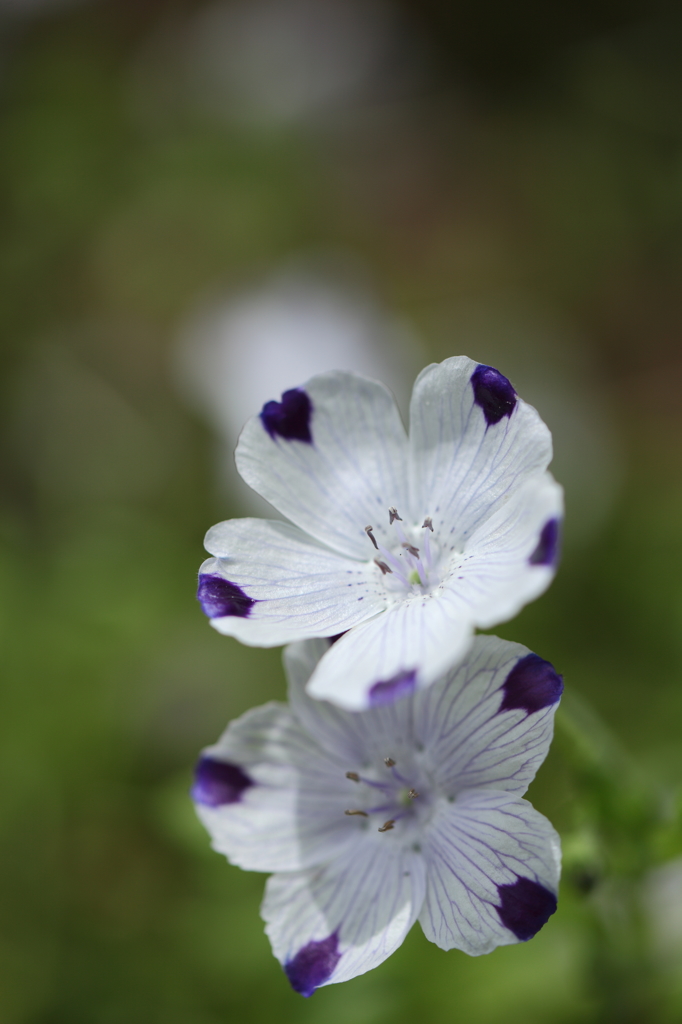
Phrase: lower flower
[409,811]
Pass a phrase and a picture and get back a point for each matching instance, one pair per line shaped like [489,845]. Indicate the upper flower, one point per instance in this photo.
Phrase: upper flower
[402,545]
[373,820]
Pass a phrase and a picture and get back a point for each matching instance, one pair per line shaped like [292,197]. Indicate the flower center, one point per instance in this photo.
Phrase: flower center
[408,564]
[393,797]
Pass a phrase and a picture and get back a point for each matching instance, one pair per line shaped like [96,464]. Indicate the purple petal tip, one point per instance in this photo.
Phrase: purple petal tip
[531,685]
[493,392]
[218,782]
[219,597]
[525,906]
[289,418]
[547,551]
[313,965]
[386,691]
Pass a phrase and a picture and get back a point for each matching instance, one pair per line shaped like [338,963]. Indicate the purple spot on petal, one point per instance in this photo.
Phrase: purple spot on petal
[386,691]
[532,684]
[218,597]
[493,392]
[289,418]
[525,907]
[218,782]
[313,965]
[547,551]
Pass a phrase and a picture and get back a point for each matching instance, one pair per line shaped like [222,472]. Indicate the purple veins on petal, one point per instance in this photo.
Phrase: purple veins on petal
[531,685]
[218,782]
[386,691]
[218,597]
[313,965]
[525,906]
[289,418]
[493,392]
[547,551]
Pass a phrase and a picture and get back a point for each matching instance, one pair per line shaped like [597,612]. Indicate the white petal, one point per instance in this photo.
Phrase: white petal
[397,652]
[331,924]
[355,739]
[497,574]
[462,467]
[490,721]
[291,816]
[493,871]
[348,475]
[298,587]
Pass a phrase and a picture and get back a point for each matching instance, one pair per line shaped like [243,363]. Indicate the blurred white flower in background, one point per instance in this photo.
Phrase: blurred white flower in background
[236,354]
[282,61]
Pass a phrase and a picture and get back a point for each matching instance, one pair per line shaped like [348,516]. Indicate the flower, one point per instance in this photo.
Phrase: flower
[372,820]
[404,546]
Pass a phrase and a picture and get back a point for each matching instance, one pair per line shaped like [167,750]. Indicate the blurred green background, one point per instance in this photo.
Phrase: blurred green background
[507,179]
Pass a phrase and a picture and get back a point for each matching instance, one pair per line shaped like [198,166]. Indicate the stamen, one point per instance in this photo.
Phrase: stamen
[353,776]
[389,762]
[412,794]
[387,825]
[412,549]
[393,515]
[368,531]
[382,565]
[363,814]
[427,524]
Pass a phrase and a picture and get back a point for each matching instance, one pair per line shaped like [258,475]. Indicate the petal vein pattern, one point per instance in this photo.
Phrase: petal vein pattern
[405,547]
[353,470]
[371,819]
[299,588]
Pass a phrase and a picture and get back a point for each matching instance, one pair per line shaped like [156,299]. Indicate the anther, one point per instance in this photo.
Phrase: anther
[382,565]
[353,776]
[387,825]
[412,793]
[412,549]
[393,515]
[361,813]
[389,762]
[427,524]
[368,531]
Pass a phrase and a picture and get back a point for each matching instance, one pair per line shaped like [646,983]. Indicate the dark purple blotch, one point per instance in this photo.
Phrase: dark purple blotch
[313,965]
[493,392]
[218,782]
[547,551]
[289,418]
[386,691]
[524,907]
[218,597]
[532,684]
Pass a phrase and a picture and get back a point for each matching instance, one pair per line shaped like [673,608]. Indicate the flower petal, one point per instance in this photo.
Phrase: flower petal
[354,739]
[271,799]
[497,575]
[490,721]
[473,442]
[353,468]
[280,585]
[493,872]
[333,923]
[395,653]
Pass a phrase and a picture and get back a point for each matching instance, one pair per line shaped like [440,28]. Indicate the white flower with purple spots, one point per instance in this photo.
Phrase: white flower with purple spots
[403,545]
[410,811]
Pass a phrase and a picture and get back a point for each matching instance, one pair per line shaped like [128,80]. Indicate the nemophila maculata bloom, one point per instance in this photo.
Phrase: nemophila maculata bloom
[399,546]
[410,811]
